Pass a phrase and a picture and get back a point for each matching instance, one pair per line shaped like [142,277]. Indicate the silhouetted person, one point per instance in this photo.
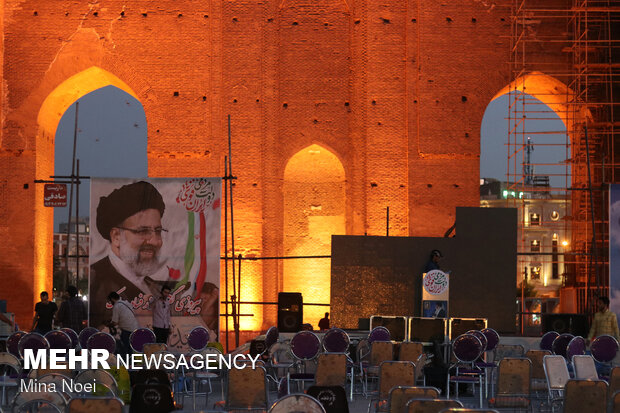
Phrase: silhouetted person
[324,322]
[44,312]
[605,321]
[123,318]
[433,261]
[72,313]
[161,316]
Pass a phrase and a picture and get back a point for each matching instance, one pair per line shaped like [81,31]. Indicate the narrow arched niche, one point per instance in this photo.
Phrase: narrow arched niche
[314,210]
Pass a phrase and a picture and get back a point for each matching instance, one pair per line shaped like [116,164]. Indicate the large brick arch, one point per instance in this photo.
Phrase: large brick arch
[380,83]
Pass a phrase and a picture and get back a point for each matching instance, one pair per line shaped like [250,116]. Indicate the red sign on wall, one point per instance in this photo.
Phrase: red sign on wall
[55,195]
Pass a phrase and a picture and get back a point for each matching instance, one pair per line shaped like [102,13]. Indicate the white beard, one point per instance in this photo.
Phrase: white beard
[131,257]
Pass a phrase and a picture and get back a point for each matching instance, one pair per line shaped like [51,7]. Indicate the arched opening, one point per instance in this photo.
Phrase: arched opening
[526,162]
[314,210]
[111,141]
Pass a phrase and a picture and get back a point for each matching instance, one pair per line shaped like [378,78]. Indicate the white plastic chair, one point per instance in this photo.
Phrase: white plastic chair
[584,367]
[557,376]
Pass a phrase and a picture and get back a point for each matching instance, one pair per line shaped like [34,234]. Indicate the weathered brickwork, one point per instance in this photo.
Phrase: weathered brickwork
[394,89]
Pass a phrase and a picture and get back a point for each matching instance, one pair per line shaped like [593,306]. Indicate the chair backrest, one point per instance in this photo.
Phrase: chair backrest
[560,344]
[546,341]
[379,333]
[395,373]
[297,403]
[410,350]
[431,405]
[59,340]
[514,376]
[140,337]
[400,395]
[536,357]
[333,398]
[32,341]
[464,410]
[331,369]
[576,347]
[247,388]
[604,348]
[508,350]
[584,367]
[151,348]
[98,376]
[585,396]
[305,345]
[556,372]
[198,338]
[151,398]
[150,377]
[36,406]
[85,335]
[363,350]
[467,348]
[95,404]
[101,341]
[614,380]
[24,401]
[12,343]
[8,359]
[271,337]
[336,340]
[481,337]
[75,339]
[381,351]
[492,338]
[615,402]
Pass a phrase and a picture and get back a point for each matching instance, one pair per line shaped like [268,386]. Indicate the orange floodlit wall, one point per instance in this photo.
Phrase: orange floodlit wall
[339,110]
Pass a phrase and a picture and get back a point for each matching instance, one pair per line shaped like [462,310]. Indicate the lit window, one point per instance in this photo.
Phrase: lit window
[555,215]
[534,219]
[535,246]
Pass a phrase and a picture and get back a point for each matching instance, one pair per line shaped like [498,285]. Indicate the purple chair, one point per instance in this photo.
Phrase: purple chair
[102,341]
[271,337]
[198,338]
[305,346]
[58,340]
[140,337]
[546,342]
[467,348]
[481,337]
[12,343]
[576,347]
[604,348]
[561,343]
[85,335]
[336,340]
[75,340]
[492,338]
[32,341]
[379,333]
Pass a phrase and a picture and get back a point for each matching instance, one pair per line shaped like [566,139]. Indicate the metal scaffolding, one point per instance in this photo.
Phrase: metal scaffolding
[566,54]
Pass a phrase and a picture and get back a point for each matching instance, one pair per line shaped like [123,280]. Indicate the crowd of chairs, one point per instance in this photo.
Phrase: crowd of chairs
[310,374]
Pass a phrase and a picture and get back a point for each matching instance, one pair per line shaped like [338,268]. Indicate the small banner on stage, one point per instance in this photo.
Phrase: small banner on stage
[614,248]
[151,233]
[55,195]
[435,294]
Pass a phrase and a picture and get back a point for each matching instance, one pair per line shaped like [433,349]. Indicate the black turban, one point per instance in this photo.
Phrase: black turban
[125,202]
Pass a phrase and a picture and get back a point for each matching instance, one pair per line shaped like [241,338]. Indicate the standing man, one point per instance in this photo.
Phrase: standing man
[72,312]
[605,322]
[324,322]
[161,316]
[44,312]
[433,261]
[129,218]
[124,318]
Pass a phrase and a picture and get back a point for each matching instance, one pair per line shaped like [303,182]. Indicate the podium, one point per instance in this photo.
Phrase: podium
[435,294]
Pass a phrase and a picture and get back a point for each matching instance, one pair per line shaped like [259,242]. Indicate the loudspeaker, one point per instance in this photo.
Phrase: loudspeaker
[290,312]
[257,347]
[427,329]
[397,326]
[460,326]
[363,323]
[575,324]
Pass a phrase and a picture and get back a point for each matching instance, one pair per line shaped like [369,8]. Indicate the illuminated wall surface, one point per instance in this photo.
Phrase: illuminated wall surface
[340,109]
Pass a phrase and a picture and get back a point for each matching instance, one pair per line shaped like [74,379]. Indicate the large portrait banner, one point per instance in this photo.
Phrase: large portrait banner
[154,232]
